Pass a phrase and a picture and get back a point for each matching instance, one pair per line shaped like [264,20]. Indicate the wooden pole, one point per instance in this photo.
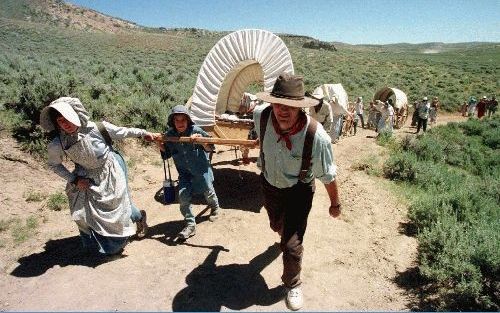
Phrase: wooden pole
[217,141]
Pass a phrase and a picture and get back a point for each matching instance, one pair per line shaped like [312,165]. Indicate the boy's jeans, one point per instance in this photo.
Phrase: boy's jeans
[185,196]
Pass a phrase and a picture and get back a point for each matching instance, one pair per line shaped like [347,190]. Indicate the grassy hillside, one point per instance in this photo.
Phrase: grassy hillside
[62,14]
[134,76]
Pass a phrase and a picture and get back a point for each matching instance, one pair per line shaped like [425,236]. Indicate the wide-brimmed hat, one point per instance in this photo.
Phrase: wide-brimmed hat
[179,109]
[288,90]
[424,98]
[63,106]
[484,97]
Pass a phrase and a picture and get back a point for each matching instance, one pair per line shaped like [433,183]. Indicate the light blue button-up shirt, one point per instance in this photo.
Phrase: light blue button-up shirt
[282,166]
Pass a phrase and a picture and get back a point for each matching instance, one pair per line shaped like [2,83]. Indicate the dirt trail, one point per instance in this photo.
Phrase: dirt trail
[350,264]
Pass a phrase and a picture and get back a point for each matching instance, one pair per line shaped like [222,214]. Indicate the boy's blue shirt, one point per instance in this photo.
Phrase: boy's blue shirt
[191,160]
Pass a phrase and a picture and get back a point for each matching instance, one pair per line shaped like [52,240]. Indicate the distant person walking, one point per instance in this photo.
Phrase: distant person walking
[471,109]
[385,120]
[492,106]
[423,114]
[294,151]
[481,107]
[414,117]
[435,104]
[359,110]
[390,108]
[463,109]
[373,116]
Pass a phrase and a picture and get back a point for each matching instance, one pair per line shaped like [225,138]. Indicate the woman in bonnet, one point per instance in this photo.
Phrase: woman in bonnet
[97,188]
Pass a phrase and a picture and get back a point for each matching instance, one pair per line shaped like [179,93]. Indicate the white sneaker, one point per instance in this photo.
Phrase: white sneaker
[294,300]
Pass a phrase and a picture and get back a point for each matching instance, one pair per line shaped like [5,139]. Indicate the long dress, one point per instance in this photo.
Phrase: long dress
[103,211]
[385,121]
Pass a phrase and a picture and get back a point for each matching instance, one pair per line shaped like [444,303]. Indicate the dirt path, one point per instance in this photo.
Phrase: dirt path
[350,264]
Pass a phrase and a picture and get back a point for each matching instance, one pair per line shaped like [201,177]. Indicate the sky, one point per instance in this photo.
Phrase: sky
[348,21]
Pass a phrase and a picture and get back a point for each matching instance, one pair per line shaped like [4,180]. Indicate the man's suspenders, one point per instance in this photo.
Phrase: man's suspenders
[308,142]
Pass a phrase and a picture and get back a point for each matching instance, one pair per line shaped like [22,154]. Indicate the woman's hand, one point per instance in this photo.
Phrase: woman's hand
[149,137]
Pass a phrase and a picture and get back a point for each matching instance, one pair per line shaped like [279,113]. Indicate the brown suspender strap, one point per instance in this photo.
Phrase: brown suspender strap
[104,133]
[308,142]
[264,117]
[307,150]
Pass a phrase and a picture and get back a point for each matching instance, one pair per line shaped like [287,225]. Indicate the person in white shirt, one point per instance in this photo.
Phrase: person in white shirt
[359,110]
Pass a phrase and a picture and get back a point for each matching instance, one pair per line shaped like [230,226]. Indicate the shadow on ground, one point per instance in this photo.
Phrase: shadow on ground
[234,286]
[62,252]
[236,189]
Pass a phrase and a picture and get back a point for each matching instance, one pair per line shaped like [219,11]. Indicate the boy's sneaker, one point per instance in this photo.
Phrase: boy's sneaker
[188,231]
[214,215]
[142,226]
[294,300]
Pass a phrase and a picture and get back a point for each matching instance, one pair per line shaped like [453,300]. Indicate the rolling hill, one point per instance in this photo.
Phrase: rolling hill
[133,75]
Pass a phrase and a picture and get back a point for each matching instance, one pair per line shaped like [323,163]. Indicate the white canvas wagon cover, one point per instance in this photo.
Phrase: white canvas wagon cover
[236,61]
[387,92]
[334,92]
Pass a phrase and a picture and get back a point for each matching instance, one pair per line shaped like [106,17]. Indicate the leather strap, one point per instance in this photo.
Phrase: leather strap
[264,117]
[308,142]
[104,133]
[307,150]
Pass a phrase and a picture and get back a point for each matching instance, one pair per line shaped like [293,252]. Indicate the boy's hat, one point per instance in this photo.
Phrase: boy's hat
[179,109]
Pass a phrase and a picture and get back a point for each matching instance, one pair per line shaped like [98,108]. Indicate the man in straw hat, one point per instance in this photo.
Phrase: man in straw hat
[294,150]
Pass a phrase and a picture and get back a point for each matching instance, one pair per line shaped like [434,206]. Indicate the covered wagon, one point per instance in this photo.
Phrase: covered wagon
[399,102]
[238,60]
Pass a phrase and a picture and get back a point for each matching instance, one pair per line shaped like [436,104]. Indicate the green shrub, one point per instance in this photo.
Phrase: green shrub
[401,166]
[369,165]
[453,176]
[57,201]
[34,196]
[22,231]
